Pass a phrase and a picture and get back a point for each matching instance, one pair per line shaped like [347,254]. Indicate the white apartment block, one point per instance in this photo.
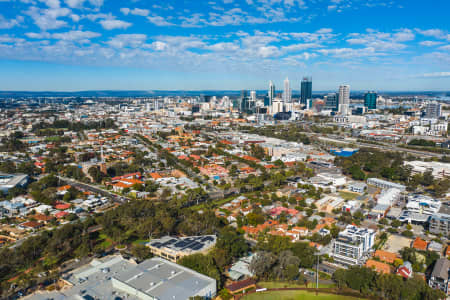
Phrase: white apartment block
[353,245]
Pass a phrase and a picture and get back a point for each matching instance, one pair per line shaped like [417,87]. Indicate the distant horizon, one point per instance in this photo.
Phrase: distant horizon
[259,91]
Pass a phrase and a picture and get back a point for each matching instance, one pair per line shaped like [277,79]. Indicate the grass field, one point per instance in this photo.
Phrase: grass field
[275,285]
[348,195]
[294,295]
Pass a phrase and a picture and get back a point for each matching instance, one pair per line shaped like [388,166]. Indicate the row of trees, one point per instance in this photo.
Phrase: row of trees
[374,163]
[44,128]
[386,286]
[291,132]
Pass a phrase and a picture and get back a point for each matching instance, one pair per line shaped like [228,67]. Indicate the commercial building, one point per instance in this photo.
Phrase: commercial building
[306,90]
[437,169]
[9,181]
[440,223]
[389,197]
[370,100]
[439,278]
[174,248]
[332,101]
[114,277]
[385,184]
[353,245]
[418,203]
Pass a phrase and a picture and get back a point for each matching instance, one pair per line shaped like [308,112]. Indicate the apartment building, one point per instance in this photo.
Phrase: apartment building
[353,245]
[440,223]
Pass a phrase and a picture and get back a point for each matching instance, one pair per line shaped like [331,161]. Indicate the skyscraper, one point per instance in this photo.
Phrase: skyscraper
[243,101]
[253,96]
[287,93]
[332,101]
[344,99]
[370,100]
[433,110]
[306,90]
[271,93]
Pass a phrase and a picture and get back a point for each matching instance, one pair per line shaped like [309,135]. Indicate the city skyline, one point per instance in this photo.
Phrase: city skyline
[76,45]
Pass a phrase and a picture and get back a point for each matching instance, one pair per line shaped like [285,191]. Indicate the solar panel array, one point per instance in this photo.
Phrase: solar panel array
[193,243]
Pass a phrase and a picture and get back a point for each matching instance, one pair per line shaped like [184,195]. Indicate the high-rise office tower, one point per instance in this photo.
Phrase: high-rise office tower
[332,101]
[287,93]
[243,100]
[253,96]
[433,110]
[370,100]
[306,90]
[271,93]
[344,99]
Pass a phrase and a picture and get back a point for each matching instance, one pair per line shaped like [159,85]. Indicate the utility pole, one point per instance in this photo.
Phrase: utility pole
[317,273]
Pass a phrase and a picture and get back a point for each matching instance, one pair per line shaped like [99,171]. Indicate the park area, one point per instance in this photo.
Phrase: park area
[295,295]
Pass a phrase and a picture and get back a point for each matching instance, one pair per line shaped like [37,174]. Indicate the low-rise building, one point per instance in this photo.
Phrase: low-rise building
[174,248]
[9,181]
[439,278]
[113,277]
[384,184]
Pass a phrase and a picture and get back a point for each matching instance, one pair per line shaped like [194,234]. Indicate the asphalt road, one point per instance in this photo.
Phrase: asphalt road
[94,189]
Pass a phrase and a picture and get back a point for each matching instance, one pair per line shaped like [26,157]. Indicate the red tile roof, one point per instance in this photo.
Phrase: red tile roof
[420,244]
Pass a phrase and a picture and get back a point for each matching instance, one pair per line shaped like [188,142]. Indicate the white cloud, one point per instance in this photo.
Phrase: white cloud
[299,47]
[159,21]
[140,12]
[47,19]
[34,35]
[430,43]
[74,3]
[382,40]
[8,24]
[268,51]
[75,35]
[125,10]
[96,3]
[436,75]
[110,24]
[159,46]
[437,33]
[75,17]
[127,40]
[51,3]
[403,35]
[349,52]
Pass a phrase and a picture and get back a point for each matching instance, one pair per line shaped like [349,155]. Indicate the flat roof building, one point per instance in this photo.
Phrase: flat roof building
[353,245]
[9,181]
[114,277]
[174,248]
[384,184]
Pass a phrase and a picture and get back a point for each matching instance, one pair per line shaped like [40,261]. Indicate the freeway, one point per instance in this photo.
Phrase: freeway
[381,146]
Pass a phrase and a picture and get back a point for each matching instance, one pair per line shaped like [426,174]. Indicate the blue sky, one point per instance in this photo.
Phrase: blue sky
[66,45]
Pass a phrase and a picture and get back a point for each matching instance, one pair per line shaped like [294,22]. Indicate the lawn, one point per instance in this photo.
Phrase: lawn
[275,285]
[140,242]
[294,295]
[348,195]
